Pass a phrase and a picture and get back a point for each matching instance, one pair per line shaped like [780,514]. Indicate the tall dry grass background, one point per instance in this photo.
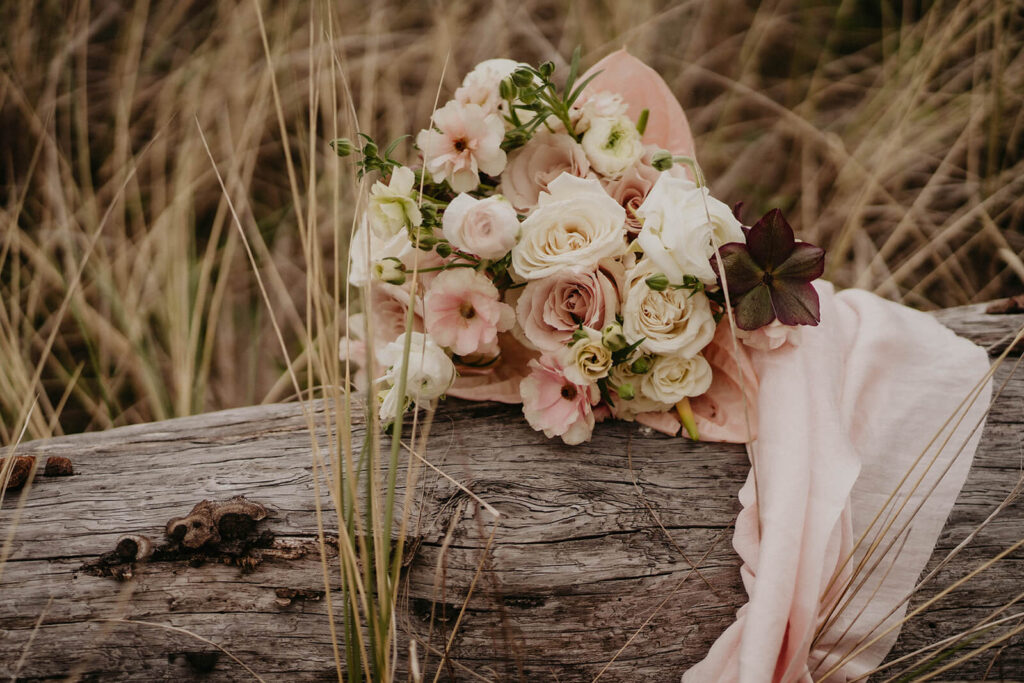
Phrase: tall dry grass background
[154,151]
[890,134]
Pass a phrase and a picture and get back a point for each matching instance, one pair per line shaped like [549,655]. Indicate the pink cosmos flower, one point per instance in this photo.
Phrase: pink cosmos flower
[463,311]
[555,405]
[467,141]
[552,308]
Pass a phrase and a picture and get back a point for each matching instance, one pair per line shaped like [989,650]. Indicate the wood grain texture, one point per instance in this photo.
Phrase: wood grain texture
[580,559]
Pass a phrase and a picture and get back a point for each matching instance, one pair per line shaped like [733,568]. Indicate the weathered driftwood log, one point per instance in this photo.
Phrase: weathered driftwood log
[587,550]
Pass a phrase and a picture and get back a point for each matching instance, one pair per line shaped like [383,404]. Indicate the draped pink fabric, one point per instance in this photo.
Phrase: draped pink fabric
[839,419]
[843,416]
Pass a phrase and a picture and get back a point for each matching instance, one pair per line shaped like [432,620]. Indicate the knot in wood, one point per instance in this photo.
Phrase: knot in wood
[210,522]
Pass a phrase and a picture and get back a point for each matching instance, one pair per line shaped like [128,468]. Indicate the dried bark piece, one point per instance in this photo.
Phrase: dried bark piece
[210,522]
[58,466]
[1013,304]
[20,471]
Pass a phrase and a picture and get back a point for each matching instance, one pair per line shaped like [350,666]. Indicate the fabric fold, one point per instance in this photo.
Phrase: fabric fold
[843,417]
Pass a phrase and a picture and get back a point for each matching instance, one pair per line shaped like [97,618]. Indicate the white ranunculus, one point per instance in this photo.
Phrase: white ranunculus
[602,104]
[672,378]
[575,224]
[431,372]
[392,208]
[587,359]
[675,322]
[481,85]
[612,145]
[485,227]
[676,234]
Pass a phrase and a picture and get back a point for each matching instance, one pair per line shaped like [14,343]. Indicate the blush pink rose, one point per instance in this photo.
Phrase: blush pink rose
[630,190]
[464,313]
[557,406]
[552,308]
[485,227]
[531,167]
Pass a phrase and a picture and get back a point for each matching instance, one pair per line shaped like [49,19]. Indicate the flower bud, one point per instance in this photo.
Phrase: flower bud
[613,338]
[641,365]
[546,69]
[522,77]
[662,160]
[370,149]
[658,282]
[625,391]
[389,270]
[342,147]
[444,249]
[516,138]
[423,237]
[507,89]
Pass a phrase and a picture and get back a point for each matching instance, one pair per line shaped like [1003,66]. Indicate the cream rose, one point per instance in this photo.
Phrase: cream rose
[587,359]
[673,378]
[485,227]
[576,224]
[532,167]
[550,309]
[670,322]
[676,234]
[612,144]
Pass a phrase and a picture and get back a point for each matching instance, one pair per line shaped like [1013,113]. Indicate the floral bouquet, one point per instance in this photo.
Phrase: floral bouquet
[556,246]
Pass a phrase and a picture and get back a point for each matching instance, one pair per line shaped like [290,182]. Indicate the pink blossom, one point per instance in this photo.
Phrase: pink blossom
[552,308]
[557,406]
[531,167]
[463,312]
[467,141]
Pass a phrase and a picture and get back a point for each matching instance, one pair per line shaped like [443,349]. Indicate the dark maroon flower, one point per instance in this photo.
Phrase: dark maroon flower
[770,276]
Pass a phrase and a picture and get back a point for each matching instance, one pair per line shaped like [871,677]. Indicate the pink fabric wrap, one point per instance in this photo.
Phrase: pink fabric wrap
[843,416]
[838,420]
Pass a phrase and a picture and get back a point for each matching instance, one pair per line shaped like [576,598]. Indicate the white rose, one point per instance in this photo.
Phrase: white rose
[431,372]
[392,208]
[612,145]
[676,233]
[485,227]
[576,224]
[671,322]
[672,378]
[587,359]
